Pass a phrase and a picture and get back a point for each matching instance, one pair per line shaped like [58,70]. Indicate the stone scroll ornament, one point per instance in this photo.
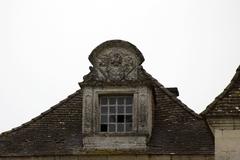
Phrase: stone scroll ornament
[115,61]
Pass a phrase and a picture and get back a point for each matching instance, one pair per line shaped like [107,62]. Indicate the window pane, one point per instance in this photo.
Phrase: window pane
[112,118]
[129,100]
[103,100]
[104,127]
[116,113]
[112,101]
[104,119]
[128,127]
[129,109]
[104,110]
[120,118]
[128,118]
[112,127]
[120,109]
[120,127]
[112,109]
[121,100]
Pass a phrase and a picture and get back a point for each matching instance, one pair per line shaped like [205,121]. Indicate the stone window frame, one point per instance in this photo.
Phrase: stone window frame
[142,110]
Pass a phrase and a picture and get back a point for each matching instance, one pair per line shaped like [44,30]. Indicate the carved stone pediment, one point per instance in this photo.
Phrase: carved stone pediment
[115,61]
[115,64]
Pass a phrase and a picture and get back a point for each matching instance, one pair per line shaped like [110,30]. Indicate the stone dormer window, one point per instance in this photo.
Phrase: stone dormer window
[117,99]
[116,113]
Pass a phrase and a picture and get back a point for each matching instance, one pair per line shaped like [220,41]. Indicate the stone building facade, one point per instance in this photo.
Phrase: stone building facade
[122,112]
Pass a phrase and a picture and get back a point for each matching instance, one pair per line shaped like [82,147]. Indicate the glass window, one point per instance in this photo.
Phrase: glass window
[112,110]
[104,110]
[104,119]
[104,101]
[128,118]
[128,127]
[120,118]
[116,113]
[129,100]
[129,109]
[104,127]
[112,118]
[120,127]
[112,127]
[120,109]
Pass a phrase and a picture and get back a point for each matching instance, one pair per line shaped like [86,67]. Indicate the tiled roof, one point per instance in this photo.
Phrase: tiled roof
[176,128]
[55,132]
[58,131]
[228,102]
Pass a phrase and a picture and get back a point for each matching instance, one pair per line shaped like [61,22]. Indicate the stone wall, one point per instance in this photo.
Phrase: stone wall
[227,144]
[118,157]
[227,137]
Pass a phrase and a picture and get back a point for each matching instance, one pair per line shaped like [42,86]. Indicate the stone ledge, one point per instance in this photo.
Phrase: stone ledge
[103,142]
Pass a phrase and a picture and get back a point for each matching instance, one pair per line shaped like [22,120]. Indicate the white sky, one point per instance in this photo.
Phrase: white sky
[44,46]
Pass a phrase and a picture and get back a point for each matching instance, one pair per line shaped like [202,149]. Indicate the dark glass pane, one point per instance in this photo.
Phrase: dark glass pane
[104,119]
[129,109]
[120,127]
[104,127]
[112,109]
[120,118]
[104,110]
[112,118]
[128,118]
[103,100]
[112,127]
[129,100]
[112,101]
[121,100]
[120,109]
[128,127]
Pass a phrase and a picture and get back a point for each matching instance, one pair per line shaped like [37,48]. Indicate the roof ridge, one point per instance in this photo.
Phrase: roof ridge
[223,93]
[173,97]
[238,69]
[41,115]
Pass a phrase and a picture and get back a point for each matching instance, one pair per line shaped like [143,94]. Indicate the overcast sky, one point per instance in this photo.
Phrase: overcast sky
[44,46]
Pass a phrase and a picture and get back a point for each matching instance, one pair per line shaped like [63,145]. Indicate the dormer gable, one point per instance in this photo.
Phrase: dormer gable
[117,98]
